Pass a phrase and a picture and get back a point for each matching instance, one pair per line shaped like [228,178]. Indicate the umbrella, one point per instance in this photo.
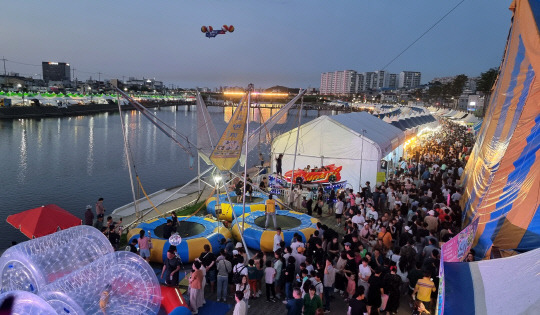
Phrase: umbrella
[43,220]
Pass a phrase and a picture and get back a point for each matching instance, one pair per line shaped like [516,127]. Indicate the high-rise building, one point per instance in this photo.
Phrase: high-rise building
[369,78]
[339,82]
[56,71]
[409,79]
[382,79]
[360,78]
[393,81]
[326,83]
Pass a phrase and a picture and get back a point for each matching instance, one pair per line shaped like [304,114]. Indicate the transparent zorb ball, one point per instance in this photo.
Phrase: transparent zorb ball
[30,265]
[117,283]
[25,303]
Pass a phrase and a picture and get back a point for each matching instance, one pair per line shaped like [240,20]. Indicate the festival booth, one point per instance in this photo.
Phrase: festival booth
[357,142]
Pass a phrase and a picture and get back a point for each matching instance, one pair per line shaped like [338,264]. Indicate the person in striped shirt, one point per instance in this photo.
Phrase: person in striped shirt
[423,289]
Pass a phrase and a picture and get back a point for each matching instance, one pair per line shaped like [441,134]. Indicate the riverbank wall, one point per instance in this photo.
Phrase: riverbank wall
[22,112]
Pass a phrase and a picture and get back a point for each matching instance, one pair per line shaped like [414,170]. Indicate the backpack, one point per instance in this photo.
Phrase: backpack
[237,276]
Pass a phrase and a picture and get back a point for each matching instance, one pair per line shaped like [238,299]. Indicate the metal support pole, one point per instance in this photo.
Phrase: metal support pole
[128,158]
[250,89]
[296,146]
[199,172]
[235,217]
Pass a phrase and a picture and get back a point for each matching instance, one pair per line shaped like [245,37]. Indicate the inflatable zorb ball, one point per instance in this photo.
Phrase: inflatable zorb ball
[31,265]
[122,280]
[25,303]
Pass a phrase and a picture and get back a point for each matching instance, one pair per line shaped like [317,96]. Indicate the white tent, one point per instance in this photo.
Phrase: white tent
[355,141]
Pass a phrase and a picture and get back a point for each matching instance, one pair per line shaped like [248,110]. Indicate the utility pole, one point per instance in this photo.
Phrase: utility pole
[74,77]
[4,60]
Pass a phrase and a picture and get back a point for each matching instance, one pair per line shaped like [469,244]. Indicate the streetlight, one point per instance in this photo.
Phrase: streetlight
[19,86]
[90,92]
[217,180]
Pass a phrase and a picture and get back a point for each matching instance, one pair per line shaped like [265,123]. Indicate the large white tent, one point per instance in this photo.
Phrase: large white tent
[355,141]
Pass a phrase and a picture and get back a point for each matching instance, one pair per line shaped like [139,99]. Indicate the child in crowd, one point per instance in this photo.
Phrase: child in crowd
[269,279]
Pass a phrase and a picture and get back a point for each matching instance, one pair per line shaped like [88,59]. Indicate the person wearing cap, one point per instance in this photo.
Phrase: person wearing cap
[89,216]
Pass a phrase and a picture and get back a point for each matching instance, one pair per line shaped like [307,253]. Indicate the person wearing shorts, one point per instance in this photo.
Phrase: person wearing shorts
[144,246]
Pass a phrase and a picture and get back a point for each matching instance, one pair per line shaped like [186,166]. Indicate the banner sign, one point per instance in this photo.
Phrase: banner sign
[229,147]
[455,250]
[381,177]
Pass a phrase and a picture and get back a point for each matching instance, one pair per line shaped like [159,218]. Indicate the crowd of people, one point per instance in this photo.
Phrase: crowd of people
[382,249]
[377,248]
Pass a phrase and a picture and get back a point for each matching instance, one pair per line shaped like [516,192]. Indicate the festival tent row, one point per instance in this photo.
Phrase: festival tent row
[355,141]
[413,122]
[502,178]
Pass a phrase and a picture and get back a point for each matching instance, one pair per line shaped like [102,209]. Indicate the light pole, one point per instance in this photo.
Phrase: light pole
[90,92]
[19,87]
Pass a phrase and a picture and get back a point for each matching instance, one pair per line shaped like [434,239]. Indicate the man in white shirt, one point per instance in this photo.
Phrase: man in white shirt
[359,220]
[364,272]
[339,211]
[277,239]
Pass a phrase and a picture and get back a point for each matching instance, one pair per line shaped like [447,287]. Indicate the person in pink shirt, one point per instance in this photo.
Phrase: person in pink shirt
[144,246]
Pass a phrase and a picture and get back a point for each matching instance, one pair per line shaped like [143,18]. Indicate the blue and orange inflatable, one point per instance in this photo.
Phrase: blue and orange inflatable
[226,209]
[258,238]
[191,247]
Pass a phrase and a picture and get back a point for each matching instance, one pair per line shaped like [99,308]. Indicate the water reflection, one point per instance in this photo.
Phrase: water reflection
[257,114]
[90,156]
[23,155]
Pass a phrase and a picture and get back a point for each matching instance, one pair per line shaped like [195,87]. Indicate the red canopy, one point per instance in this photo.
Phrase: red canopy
[43,220]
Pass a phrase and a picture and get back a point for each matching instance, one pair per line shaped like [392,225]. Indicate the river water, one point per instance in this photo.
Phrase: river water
[72,161]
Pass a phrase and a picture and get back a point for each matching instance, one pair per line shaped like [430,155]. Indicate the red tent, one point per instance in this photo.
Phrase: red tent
[43,220]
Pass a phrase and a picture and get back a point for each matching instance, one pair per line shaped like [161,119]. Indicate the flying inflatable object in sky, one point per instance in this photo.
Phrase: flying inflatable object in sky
[211,32]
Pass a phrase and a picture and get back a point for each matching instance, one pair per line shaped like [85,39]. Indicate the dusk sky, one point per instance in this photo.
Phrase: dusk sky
[276,42]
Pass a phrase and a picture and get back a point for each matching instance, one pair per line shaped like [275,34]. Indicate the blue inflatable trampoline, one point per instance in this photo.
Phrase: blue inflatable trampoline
[258,238]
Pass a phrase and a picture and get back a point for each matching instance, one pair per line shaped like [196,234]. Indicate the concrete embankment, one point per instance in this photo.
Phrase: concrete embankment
[18,112]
